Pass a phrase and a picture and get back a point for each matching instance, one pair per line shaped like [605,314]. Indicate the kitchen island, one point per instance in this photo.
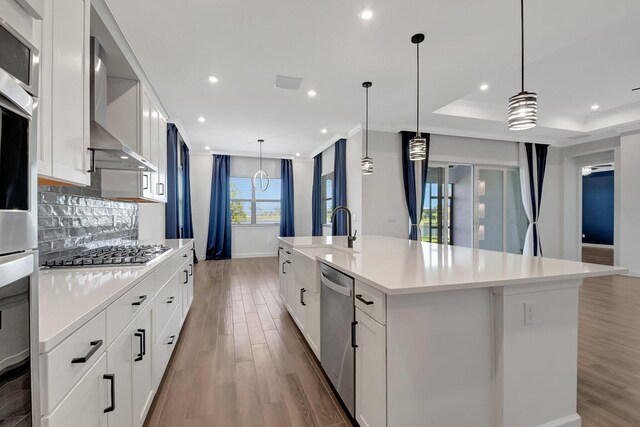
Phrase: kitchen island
[453,336]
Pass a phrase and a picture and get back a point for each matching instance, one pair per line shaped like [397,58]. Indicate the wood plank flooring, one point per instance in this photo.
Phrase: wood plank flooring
[240,360]
[596,255]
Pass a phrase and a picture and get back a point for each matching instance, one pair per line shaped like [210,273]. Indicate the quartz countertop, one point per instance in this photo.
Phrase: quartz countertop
[69,297]
[399,266]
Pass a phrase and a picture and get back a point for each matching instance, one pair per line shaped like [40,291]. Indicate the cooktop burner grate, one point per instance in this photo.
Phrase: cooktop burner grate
[110,255]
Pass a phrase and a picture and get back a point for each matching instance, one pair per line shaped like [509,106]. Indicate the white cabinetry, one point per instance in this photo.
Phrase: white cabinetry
[136,120]
[139,332]
[85,405]
[371,371]
[63,155]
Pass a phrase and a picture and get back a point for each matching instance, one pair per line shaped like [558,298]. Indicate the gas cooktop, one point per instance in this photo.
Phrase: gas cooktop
[110,256]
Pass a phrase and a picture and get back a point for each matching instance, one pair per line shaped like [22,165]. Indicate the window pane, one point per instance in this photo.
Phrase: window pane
[267,212]
[240,212]
[272,192]
[517,221]
[490,225]
[328,208]
[432,211]
[240,187]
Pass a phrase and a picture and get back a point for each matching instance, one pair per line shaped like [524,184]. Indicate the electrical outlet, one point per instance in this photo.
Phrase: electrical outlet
[529,313]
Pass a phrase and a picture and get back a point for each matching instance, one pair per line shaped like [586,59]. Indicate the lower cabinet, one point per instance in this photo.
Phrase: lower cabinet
[187,285]
[371,371]
[312,330]
[87,402]
[298,304]
[164,345]
[130,359]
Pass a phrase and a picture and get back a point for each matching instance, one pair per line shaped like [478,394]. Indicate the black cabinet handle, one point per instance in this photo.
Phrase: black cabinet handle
[144,341]
[112,378]
[185,255]
[283,270]
[364,301]
[190,269]
[288,252]
[302,291]
[186,277]
[172,338]
[170,300]
[280,248]
[139,355]
[95,345]
[141,299]
[288,261]
[353,334]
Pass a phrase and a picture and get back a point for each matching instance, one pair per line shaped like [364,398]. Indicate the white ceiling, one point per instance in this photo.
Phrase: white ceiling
[579,53]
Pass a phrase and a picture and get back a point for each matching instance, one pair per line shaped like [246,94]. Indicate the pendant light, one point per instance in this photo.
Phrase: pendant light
[367,162]
[523,107]
[418,145]
[261,179]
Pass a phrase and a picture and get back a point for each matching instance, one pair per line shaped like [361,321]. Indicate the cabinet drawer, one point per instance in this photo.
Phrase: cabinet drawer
[85,405]
[168,300]
[164,347]
[62,367]
[371,301]
[125,308]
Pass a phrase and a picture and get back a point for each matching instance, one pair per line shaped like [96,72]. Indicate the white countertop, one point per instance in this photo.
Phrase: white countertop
[399,266]
[69,297]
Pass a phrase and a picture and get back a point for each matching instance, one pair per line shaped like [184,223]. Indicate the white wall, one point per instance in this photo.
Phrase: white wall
[201,169]
[302,188]
[384,207]
[151,221]
[629,202]
[247,240]
[328,159]
[457,149]
[355,180]
[462,218]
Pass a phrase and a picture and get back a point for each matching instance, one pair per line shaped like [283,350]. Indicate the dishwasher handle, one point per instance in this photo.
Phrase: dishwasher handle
[334,286]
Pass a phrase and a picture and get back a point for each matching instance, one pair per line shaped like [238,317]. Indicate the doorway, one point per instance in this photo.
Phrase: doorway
[597,213]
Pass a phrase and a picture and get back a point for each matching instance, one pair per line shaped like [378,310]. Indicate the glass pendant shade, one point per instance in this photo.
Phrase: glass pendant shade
[418,149]
[367,166]
[523,111]
[261,179]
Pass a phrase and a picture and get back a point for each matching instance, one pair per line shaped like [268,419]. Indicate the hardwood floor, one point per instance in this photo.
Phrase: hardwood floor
[241,361]
[609,352]
[596,255]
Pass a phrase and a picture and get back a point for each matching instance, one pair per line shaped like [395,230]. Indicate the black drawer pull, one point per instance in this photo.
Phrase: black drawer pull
[112,378]
[185,255]
[288,252]
[353,334]
[302,291]
[140,335]
[141,299]
[172,338]
[283,270]
[186,277]
[95,345]
[190,269]
[364,301]
[170,300]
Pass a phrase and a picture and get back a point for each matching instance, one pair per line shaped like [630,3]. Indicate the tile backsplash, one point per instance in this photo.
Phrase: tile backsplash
[71,219]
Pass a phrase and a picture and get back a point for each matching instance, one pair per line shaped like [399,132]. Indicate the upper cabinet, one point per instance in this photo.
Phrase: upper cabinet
[133,117]
[63,156]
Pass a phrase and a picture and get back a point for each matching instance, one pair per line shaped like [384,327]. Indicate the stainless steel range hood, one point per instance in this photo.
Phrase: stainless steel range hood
[107,150]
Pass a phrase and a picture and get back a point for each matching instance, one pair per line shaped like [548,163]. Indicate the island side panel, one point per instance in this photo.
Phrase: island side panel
[439,359]
[536,363]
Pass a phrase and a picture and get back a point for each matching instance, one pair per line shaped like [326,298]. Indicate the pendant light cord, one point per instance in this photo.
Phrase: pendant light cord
[366,132]
[418,90]
[522,40]
[261,155]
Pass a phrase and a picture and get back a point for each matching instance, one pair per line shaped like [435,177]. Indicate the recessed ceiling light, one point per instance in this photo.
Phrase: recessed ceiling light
[124,157]
[297,154]
[213,79]
[484,87]
[595,107]
[311,93]
[323,131]
[206,147]
[366,14]
[201,119]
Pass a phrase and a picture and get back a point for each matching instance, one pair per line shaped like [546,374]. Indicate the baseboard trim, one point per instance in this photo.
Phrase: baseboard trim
[256,255]
[570,421]
[633,273]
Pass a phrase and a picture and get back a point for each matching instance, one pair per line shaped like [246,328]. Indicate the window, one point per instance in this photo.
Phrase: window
[180,162]
[432,223]
[327,197]
[249,206]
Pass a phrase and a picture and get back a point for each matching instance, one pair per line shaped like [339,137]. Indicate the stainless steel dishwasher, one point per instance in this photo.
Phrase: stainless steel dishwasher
[336,333]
